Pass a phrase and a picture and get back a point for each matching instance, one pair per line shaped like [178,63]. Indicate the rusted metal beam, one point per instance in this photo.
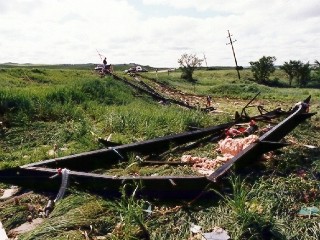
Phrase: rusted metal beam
[264,143]
[106,157]
[38,178]
[146,86]
[153,94]
[150,91]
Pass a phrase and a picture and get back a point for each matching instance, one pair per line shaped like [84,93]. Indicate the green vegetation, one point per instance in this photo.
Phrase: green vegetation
[42,107]
[298,71]
[263,68]
[188,63]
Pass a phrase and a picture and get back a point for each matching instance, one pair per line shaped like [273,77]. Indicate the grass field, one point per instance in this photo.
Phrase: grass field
[71,108]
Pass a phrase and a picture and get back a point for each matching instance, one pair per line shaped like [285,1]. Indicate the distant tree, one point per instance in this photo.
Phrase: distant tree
[297,70]
[291,69]
[316,76]
[304,74]
[263,68]
[188,63]
[239,68]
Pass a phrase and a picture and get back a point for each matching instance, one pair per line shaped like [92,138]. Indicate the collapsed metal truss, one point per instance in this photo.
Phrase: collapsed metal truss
[145,88]
[38,176]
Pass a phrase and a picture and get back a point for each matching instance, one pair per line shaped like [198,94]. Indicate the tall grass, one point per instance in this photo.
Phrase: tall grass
[72,112]
[253,219]
[140,119]
[61,102]
[76,212]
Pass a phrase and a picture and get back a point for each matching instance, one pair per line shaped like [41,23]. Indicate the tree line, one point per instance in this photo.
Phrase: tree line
[296,71]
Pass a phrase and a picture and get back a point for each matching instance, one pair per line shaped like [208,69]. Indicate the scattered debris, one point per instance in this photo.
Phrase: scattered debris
[86,233]
[3,235]
[148,210]
[64,184]
[269,141]
[62,190]
[233,146]
[309,212]
[15,199]
[101,237]
[117,231]
[217,234]
[25,227]
[107,141]
[229,147]
[195,228]
[8,193]
[51,153]
[2,128]
[203,165]
[165,95]
[208,101]
[310,146]
[48,209]
[302,145]
[166,210]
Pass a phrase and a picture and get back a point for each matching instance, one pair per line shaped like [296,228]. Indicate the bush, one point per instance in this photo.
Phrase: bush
[236,90]
[13,102]
[64,96]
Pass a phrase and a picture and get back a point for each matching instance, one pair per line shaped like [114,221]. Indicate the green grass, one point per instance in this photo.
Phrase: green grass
[225,83]
[41,107]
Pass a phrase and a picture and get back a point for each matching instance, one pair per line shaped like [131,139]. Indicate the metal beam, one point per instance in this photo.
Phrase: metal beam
[254,150]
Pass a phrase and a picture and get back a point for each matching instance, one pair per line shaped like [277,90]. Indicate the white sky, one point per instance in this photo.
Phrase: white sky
[158,32]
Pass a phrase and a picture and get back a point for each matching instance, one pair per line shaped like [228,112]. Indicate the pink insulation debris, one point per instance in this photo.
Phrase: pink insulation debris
[229,147]
[234,145]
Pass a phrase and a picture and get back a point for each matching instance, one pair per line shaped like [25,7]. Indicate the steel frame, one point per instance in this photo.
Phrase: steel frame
[38,176]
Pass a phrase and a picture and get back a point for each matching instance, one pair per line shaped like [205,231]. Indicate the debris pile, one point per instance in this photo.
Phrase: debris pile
[217,233]
[232,146]
[229,147]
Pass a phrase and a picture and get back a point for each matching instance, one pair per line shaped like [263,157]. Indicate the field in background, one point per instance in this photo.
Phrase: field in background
[70,107]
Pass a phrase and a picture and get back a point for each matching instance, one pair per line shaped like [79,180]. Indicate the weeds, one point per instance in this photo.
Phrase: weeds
[71,214]
[131,222]
[253,220]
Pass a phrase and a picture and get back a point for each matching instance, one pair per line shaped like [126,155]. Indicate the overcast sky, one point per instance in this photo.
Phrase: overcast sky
[158,32]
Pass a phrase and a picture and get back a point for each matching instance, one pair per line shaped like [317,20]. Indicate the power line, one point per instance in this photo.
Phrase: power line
[234,55]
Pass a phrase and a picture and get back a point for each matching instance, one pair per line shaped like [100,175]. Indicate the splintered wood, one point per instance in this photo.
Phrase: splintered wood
[228,147]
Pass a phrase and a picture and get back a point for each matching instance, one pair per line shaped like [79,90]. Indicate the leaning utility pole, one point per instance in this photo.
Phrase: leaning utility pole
[234,55]
[205,59]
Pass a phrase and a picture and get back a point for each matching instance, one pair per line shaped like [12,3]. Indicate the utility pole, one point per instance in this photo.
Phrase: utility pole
[234,55]
[205,59]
